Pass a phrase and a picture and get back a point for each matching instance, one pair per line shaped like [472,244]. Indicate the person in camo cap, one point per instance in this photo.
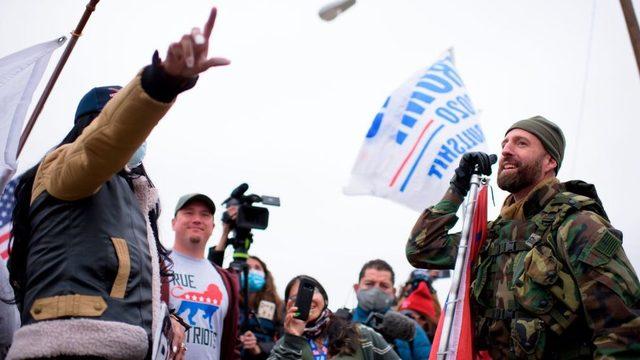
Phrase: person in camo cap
[552,280]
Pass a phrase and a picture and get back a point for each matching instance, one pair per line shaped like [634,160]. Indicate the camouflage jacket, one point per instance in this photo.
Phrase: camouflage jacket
[570,294]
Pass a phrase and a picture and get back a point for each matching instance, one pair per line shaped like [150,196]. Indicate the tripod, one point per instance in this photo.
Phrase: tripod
[241,243]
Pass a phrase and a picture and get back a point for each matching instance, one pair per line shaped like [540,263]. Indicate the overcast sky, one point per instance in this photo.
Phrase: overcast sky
[289,114]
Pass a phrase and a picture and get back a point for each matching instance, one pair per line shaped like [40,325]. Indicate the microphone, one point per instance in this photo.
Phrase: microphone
[237,195]
[240,190]
[331,11]
[392,325]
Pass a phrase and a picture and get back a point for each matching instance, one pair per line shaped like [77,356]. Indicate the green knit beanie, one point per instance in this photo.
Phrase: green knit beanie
[549,134]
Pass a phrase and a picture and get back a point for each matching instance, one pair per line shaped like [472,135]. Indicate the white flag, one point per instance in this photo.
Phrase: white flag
[20,74]
[415,142]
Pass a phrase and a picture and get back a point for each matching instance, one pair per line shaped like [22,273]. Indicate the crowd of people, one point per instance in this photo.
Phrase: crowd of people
[212,302]
[91,280]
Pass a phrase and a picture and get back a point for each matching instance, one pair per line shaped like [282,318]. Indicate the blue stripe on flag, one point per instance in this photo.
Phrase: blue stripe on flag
[415,164]
[408,120]
[400,137]
[415,108]
[422,97]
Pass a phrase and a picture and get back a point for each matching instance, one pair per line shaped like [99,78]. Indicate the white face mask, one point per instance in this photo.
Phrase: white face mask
[138,156]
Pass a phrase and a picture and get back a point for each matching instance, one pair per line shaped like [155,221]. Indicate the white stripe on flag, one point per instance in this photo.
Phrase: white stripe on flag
[5,235]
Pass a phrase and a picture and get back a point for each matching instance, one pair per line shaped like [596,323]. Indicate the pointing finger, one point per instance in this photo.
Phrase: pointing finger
[209,25]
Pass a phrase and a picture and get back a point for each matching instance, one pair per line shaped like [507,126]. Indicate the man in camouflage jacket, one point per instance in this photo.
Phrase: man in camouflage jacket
[552,279]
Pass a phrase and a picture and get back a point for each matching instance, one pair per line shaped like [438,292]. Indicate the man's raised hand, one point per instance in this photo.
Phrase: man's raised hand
[470,163]
[189,57]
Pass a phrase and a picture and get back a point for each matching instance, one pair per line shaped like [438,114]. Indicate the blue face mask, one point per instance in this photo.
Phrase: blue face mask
[138,156]
[256,280]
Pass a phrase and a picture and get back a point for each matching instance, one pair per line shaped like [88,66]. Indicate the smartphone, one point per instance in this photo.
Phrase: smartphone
[303,299]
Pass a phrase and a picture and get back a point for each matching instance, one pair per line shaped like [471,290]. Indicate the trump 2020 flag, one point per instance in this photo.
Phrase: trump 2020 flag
[415,142]
[20,74]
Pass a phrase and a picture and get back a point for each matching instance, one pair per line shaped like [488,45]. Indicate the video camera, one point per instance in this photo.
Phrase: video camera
[249,216]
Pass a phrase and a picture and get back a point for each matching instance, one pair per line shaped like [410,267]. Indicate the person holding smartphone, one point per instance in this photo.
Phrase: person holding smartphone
[313,332]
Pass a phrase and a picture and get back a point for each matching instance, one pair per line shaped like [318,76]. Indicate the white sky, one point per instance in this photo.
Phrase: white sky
[289,114]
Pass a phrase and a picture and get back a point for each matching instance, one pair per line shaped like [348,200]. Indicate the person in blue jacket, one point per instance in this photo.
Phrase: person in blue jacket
[375,293]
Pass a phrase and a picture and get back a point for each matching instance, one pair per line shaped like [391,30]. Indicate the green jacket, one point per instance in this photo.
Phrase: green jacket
[568,293]
[372,347]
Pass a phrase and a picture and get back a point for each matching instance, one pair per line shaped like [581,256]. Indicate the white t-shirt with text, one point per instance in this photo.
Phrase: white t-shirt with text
[198,295]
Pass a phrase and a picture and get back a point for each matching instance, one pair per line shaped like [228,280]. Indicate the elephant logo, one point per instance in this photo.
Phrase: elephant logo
[208,301]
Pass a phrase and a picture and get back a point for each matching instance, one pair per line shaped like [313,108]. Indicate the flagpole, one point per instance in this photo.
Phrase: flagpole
[91,6]
[632,27]
[444,352]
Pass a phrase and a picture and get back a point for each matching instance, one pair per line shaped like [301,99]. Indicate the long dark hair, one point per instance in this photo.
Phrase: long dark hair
[163,253]
[342,335]
[268,293]
[21,230]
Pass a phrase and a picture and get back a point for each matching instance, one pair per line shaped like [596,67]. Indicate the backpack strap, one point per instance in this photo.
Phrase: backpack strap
[556,211]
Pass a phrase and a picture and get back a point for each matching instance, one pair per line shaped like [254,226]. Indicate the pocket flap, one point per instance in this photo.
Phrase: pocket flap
[54,307]
[541,265]
[124,268]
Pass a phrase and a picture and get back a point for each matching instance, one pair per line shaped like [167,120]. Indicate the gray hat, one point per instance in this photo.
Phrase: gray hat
[547,132]
[186,199]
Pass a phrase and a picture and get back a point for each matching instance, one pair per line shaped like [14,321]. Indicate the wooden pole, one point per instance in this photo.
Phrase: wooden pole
[91,6]
[632,26]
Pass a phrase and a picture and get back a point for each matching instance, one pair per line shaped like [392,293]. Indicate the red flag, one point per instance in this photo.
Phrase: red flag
[461,337]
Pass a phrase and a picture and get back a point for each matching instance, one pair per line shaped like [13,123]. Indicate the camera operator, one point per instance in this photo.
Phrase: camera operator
[228,223]
[376,294]
[265,306]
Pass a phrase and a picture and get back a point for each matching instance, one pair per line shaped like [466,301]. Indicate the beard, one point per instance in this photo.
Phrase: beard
[195,239]
[524,176]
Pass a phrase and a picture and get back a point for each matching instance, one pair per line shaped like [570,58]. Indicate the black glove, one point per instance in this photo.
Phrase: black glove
[461,181]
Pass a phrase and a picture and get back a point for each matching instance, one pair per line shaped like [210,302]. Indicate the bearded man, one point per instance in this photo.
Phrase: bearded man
[552,280]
